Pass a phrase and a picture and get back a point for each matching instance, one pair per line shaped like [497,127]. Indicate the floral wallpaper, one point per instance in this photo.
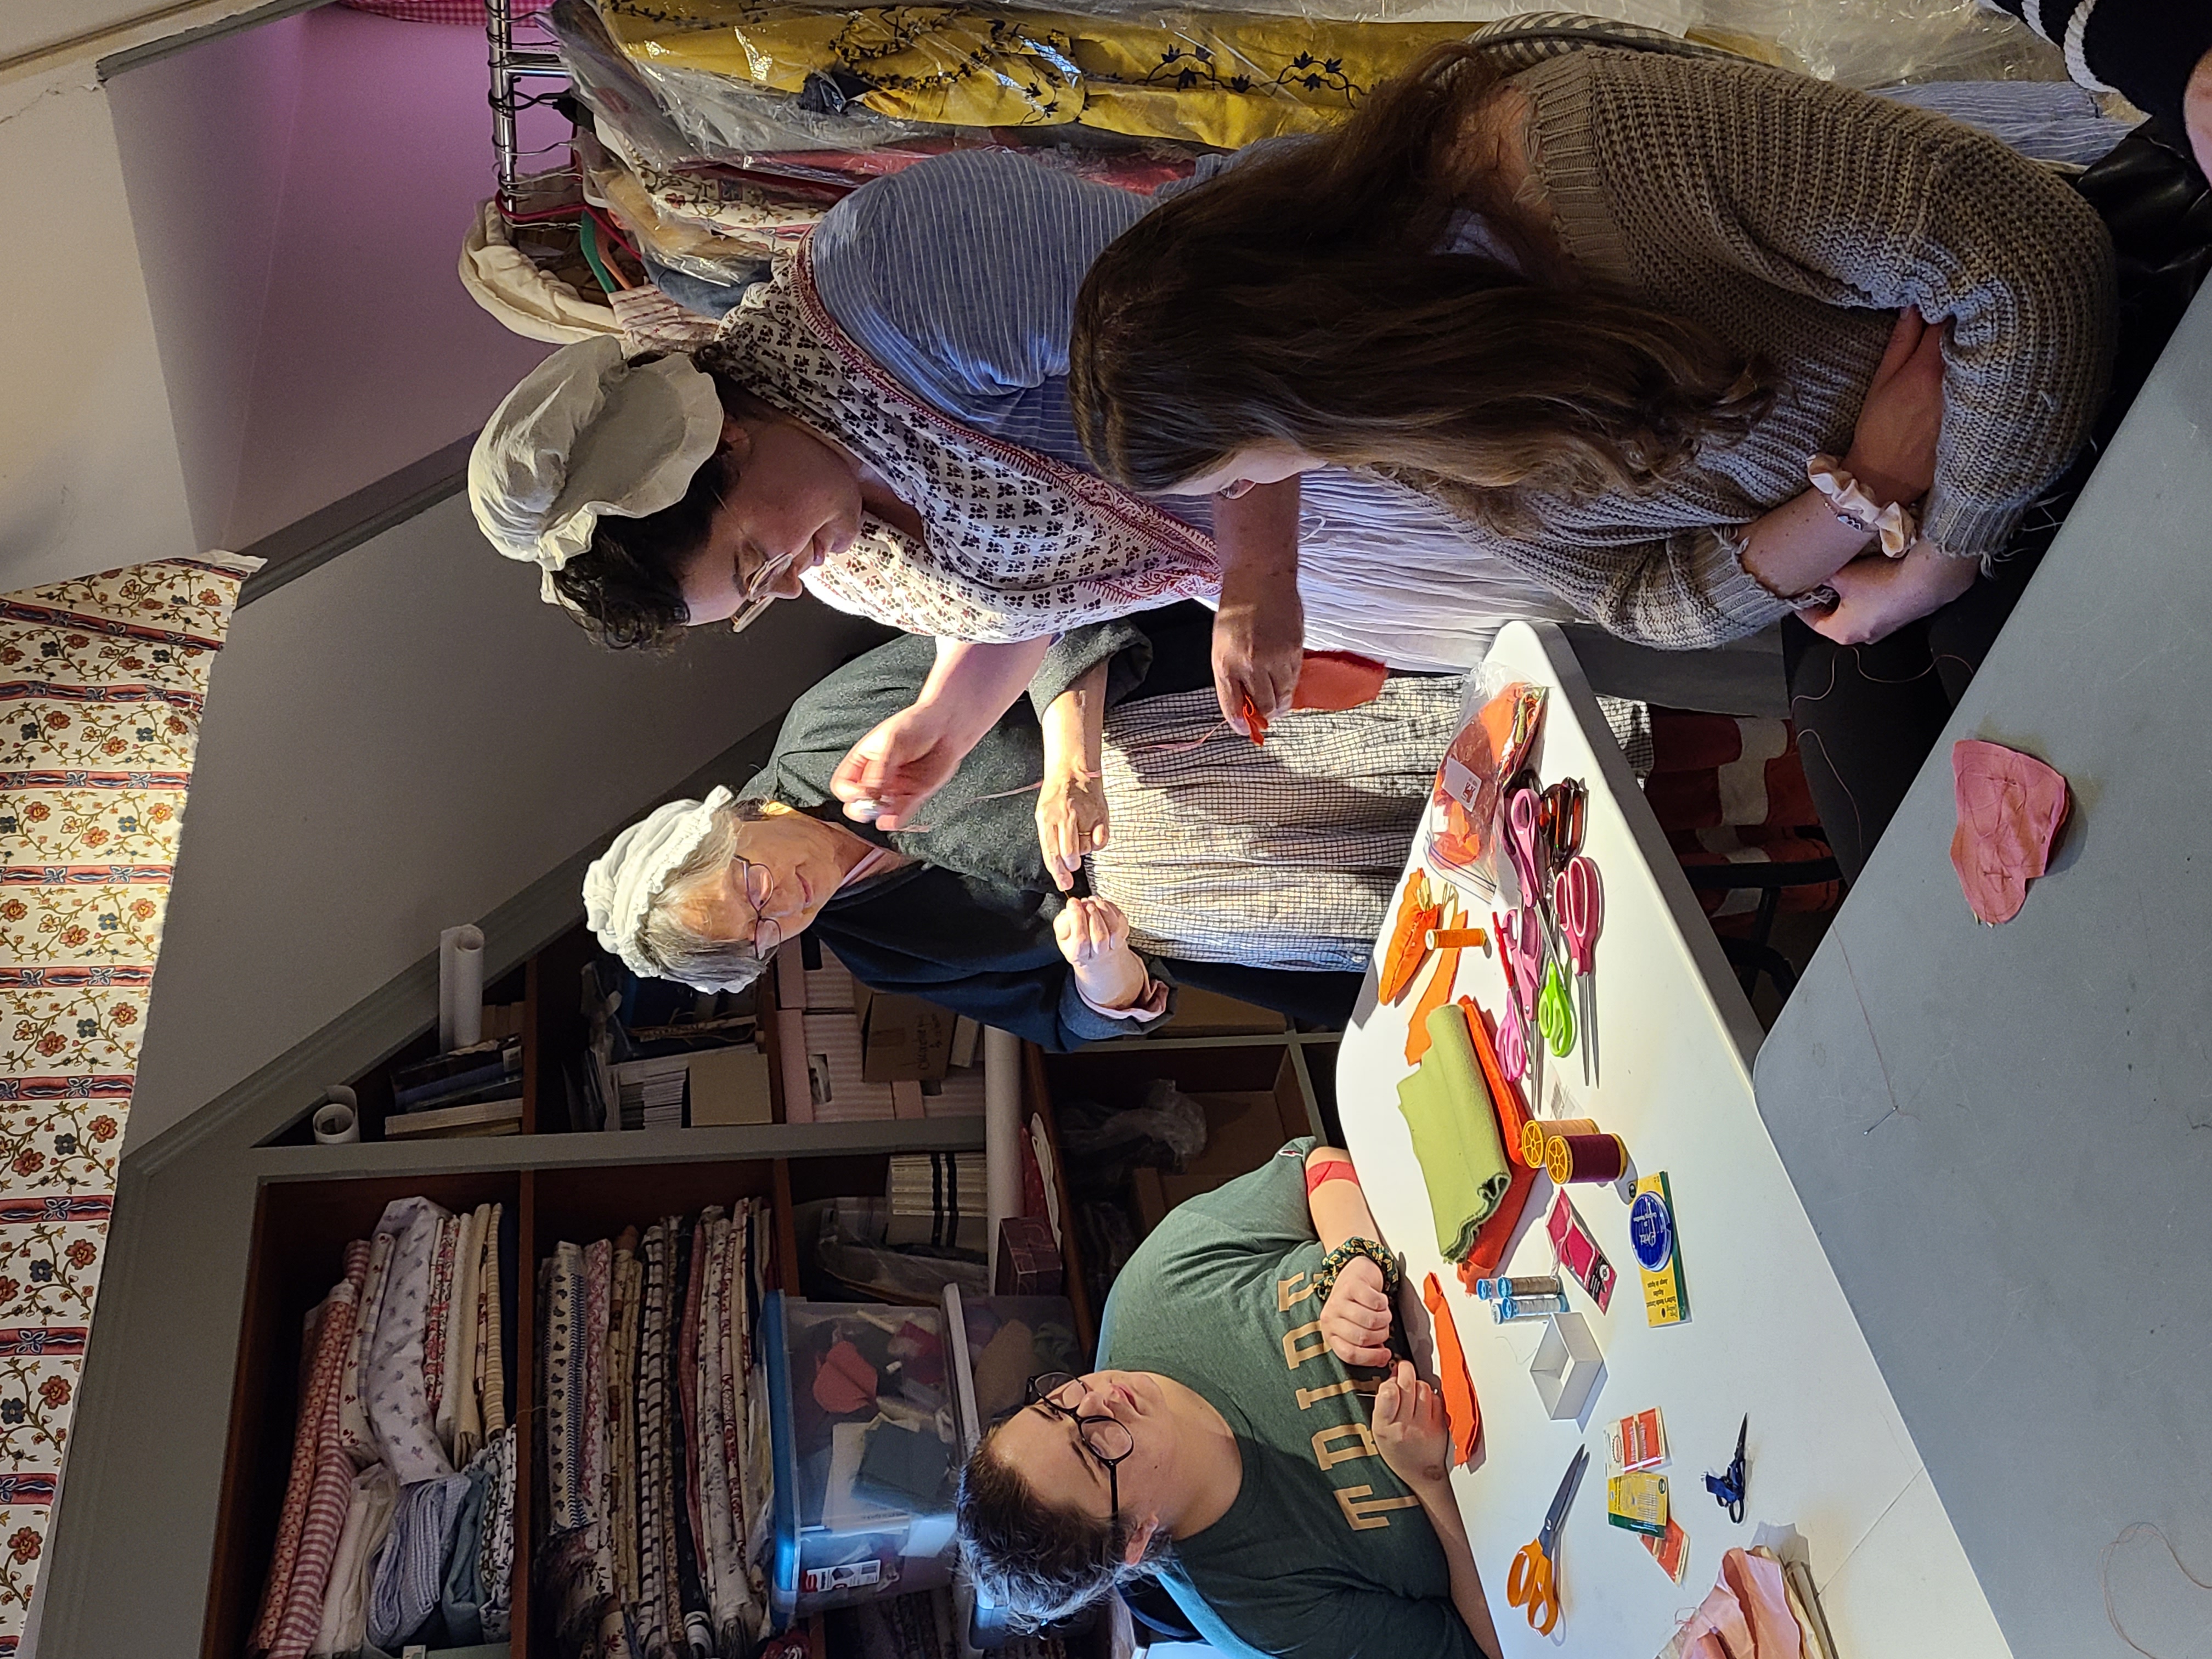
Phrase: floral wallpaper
[102,682]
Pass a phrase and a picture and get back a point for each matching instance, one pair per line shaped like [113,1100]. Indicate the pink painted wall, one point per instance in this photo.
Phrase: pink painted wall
[299,191]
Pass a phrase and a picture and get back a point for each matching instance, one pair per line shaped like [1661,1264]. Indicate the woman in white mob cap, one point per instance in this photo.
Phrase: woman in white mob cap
[885,425]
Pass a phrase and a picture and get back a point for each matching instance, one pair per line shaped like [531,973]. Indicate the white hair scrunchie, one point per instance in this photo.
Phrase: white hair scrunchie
[623,881]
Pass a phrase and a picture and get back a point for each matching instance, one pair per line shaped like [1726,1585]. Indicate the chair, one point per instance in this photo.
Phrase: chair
[1731,795]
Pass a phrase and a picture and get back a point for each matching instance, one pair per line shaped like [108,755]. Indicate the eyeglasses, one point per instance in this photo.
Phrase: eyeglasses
[1106,1438]
[760,884]
[753,603]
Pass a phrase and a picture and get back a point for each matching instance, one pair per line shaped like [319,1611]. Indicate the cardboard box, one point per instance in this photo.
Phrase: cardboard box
[1243,1129]
[730,1086]
[907,1041]
[836,1087]
[1208,1013]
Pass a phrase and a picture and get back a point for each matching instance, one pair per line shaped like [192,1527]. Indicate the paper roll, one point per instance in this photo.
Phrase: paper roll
[1002,1128]
[337,1120]
[460,988]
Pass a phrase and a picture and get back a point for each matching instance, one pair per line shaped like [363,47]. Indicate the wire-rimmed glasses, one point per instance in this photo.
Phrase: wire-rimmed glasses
[760,884]
[1107,1440]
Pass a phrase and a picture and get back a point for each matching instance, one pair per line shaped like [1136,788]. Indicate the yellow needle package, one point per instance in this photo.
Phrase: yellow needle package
[1637,1502]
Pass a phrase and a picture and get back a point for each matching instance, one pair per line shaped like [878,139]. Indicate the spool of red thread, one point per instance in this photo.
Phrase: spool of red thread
[1585,1157]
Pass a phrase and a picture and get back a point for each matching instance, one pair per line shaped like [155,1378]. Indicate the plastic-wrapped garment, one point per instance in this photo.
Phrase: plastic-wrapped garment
[1221,78]
[701,221]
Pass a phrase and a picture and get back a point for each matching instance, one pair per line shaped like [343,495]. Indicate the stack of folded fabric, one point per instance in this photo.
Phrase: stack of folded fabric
[398,1518]
[1448,1111]
[657,1472]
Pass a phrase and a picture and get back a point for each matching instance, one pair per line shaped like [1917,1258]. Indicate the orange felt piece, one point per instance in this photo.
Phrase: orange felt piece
[1462,1410]
[1337,680]
[1433,997]
[1512,1113]
[1494,1234]
[1409,937]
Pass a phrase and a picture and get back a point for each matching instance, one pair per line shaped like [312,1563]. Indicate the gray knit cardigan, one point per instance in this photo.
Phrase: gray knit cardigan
[1794,218]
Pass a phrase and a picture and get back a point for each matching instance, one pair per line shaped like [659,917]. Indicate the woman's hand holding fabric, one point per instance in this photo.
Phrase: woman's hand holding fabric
[1877,596]
[1094,936]
[1072,821]
[1259,625]
[1410,1429]
[1893,453]
[1259,647]
[886,776]
[1356,1318]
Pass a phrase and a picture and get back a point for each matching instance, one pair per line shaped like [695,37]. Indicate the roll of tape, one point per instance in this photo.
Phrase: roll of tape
[337,1121]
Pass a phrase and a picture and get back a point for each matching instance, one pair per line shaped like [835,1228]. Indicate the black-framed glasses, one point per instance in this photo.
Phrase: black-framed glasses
[1107,1440]
[760,885]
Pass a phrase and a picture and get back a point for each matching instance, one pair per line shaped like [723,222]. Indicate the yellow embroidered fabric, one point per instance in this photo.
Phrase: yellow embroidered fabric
[1216,78]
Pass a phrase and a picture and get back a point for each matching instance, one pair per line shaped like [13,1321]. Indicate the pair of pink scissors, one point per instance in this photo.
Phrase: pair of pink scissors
[1516,1053]
[1524,815]
[1578,903]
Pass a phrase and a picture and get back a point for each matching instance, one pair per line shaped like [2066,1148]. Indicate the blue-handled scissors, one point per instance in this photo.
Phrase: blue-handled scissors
[1728,1489]
[1531,1582]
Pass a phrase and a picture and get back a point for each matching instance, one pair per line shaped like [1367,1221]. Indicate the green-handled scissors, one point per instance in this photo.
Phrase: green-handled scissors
[1532,1584]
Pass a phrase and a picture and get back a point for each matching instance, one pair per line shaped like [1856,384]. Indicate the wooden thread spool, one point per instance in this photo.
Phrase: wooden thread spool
[1585,1157]
[1536,1138]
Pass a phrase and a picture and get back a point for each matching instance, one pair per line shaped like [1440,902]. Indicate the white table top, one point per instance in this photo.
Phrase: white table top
[1770,1332]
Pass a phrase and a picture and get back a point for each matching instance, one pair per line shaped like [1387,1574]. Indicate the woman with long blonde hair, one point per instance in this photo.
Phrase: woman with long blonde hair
[1692,340]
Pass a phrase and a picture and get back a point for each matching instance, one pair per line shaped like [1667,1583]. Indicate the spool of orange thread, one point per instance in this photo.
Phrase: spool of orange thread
[1536,1138]
[1585,1157]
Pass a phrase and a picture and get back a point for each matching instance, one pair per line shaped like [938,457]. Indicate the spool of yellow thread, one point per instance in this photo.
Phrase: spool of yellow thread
[1536,1137]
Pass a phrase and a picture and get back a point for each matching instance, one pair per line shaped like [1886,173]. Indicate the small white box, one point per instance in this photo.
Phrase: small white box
[1566,1365]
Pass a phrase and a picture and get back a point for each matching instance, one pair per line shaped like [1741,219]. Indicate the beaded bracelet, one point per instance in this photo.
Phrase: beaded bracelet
[1894,524]
[1331,1264]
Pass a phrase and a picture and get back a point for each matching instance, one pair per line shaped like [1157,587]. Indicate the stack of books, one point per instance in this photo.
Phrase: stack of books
[649,1093]
[476,1090]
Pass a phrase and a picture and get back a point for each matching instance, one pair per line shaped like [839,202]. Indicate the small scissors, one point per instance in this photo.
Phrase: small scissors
[1579,901]
[1728,1489]
[1532,1584]
[1560,818]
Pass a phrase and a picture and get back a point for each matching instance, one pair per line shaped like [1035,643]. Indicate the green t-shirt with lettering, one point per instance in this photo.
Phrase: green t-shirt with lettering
[1324,1554]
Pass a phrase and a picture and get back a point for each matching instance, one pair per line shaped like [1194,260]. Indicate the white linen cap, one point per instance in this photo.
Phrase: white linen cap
[586,433]
[623,881]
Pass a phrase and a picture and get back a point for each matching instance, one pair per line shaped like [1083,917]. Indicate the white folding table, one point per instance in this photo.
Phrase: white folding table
[1770,1332]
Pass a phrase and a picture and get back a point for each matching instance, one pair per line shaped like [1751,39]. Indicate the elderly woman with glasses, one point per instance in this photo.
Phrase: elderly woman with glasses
[1250,1440]
[1261,872]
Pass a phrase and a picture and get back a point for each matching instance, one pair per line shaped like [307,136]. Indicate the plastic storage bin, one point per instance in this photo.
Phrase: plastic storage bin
[867,1457]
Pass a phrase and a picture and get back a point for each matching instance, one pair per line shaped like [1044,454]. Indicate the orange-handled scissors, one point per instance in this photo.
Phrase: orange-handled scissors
[1532,1584]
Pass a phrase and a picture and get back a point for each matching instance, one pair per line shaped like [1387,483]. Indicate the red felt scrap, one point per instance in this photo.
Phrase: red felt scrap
[1337,680]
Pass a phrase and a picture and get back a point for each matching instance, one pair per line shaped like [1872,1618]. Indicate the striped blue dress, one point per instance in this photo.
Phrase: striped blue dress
[959,277]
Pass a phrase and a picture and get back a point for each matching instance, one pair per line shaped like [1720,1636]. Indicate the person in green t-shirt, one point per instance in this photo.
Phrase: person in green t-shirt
[1231,1452]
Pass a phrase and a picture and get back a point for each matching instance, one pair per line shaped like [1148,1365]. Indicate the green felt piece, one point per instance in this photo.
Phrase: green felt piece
[1455,1129]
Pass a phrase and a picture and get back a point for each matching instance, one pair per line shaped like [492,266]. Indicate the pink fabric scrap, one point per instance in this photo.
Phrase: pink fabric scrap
[2011,807]
[1746,1616]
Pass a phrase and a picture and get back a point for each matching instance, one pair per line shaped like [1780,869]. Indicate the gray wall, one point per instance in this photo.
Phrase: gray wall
[399,742]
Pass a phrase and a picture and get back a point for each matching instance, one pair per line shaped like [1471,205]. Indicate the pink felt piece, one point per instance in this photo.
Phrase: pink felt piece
[1746,1616]
[2011,807]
